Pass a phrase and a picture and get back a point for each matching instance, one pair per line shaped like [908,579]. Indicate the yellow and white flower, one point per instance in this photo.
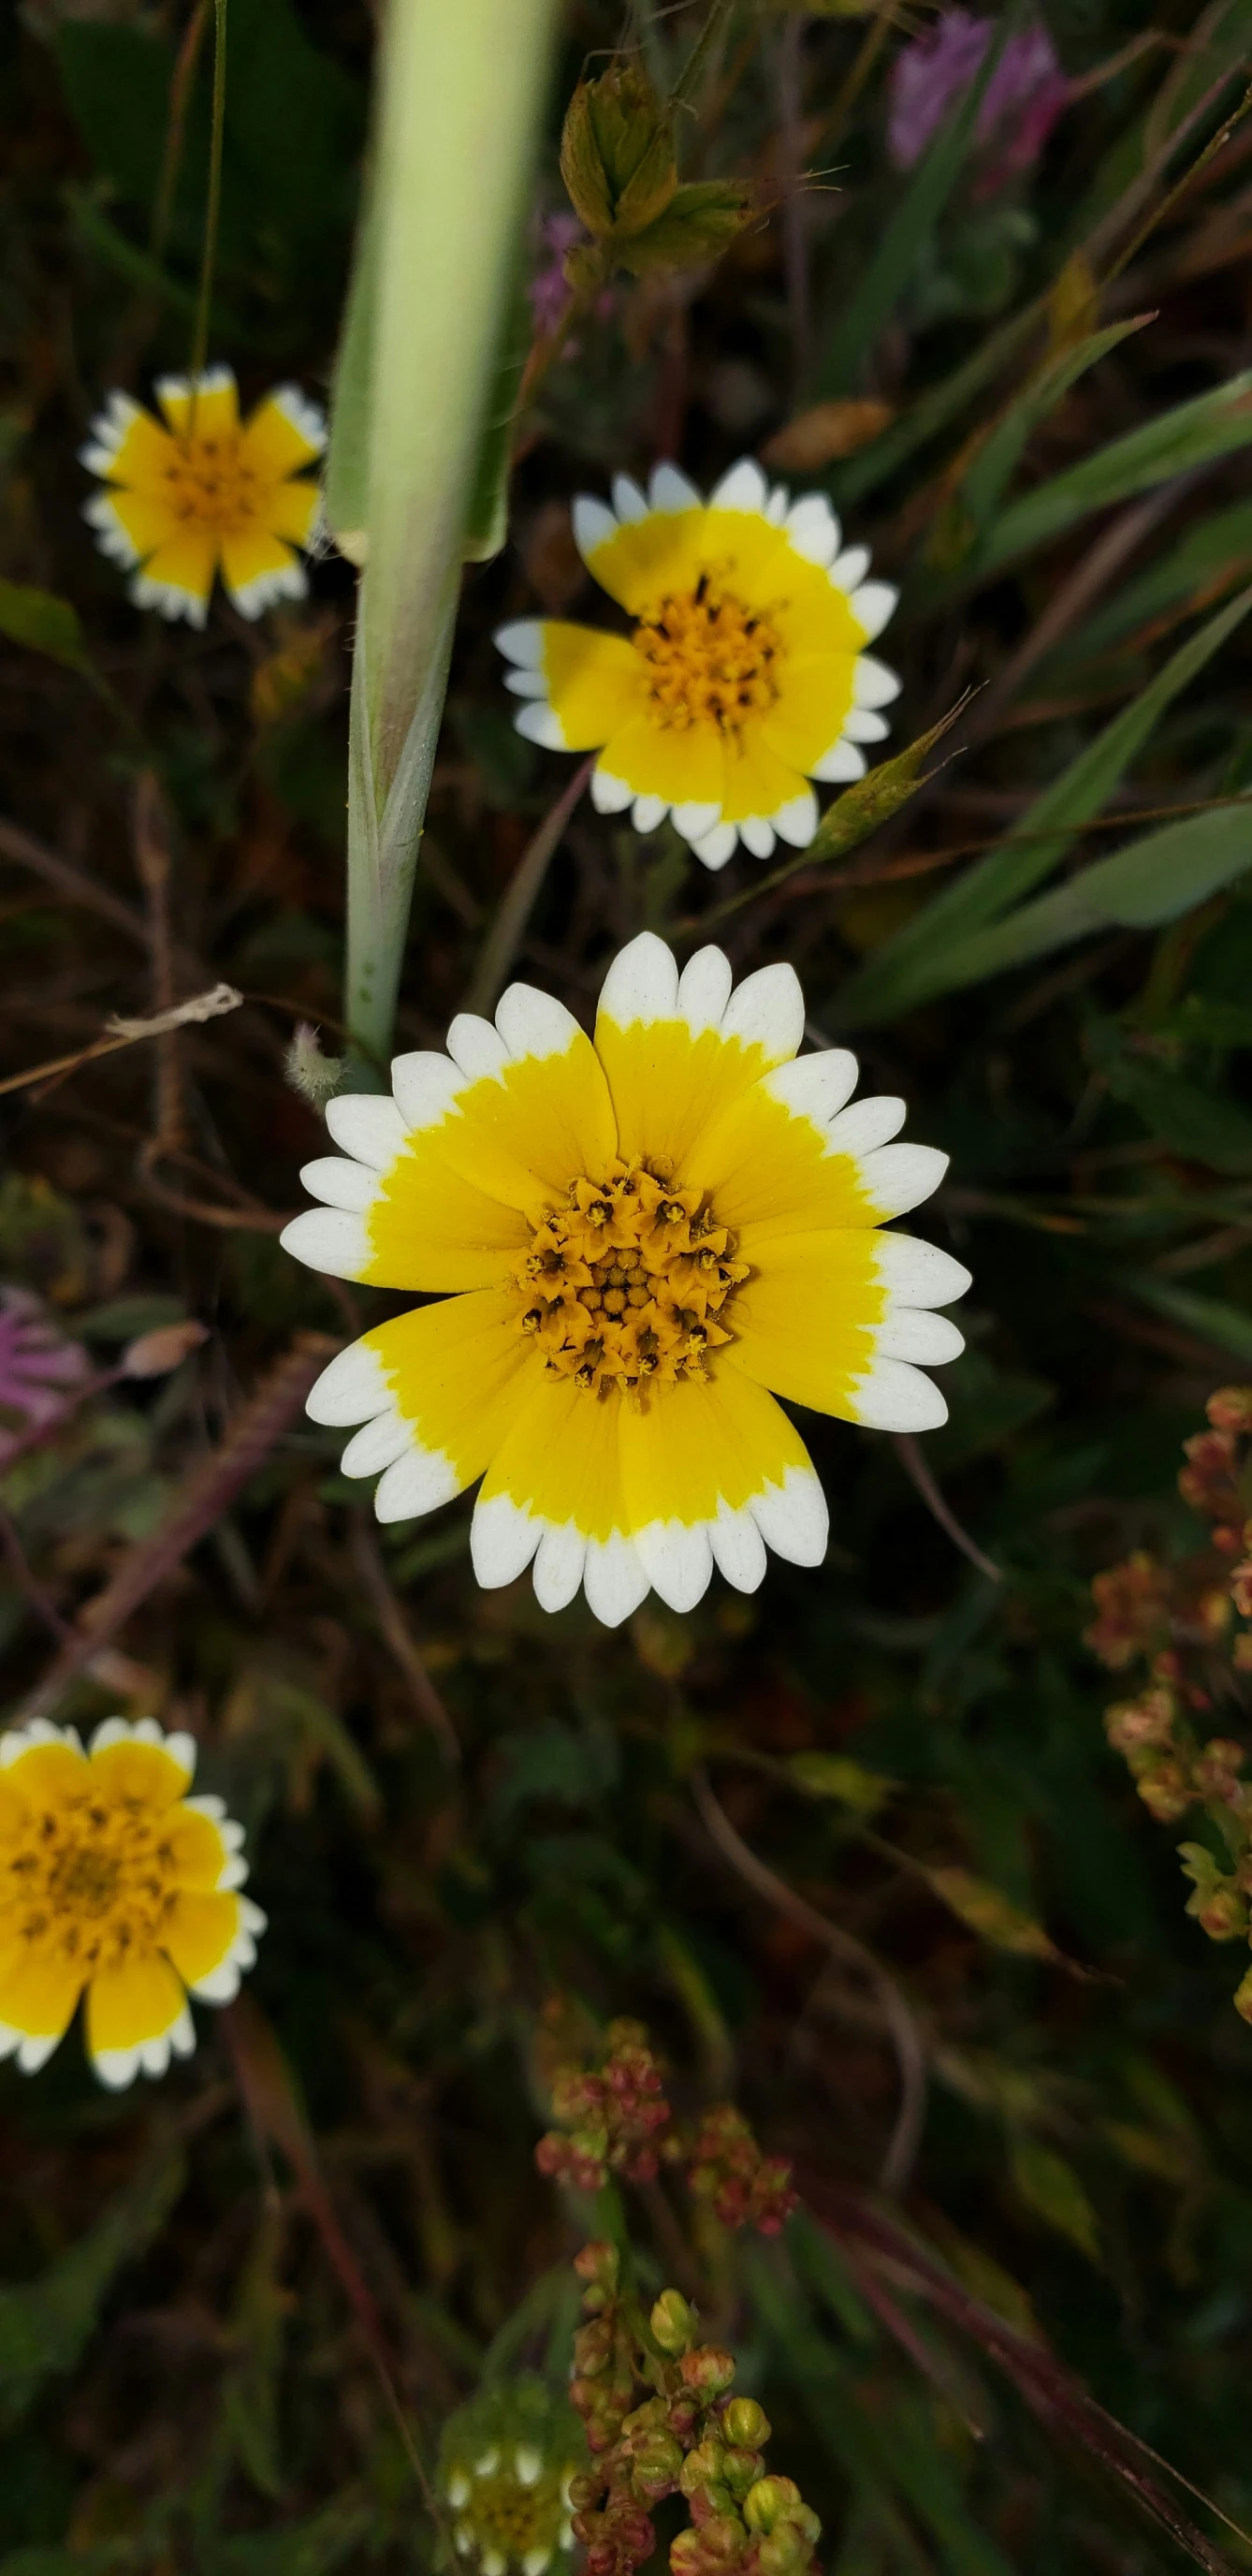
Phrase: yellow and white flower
[744,676]
[206,493]
[114,1884]
[637,1246]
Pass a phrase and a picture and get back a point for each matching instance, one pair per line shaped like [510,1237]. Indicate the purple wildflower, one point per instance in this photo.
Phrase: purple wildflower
[548,291]
[37,1368]
[1024,96]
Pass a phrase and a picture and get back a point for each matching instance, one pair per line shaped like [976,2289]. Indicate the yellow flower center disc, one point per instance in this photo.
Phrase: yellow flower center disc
[626,1284]
[710,660]
[92,1876]
[209,485]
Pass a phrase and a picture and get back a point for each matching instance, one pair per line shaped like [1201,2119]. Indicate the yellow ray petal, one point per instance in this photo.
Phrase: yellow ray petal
[39,1987]
[693,1446]
[771,1174]
[291,511]
[757,780]
[198,1932]
[594,681]
[185,562]
[138,1999]
[49,1774]
[814,695]
[804,1323]
[561,1458]
[432,1230]
[197,1850]
[216,409]
[252,553]
[668,551]
[685,764]
[457,1373]
[146,1773]
[273,445]
[146,516]
[669,1086]
[143,456]
[523,1136]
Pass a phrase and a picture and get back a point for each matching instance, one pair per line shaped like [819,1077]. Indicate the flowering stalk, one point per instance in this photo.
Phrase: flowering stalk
[461,91]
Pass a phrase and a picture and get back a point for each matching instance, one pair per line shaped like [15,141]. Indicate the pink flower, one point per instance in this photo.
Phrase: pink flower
[37,1368]
[1023,98]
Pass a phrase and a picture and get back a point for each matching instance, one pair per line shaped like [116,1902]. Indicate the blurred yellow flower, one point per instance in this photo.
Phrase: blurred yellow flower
[205,493]
[649,1240]
[745,673]
[114,1884]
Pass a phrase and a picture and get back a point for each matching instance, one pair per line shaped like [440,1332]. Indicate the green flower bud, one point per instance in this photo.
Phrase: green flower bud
[617,153]
[708,2372]
[741,2469]
[699,223]
[673,2323]
[702,2467]
[768,2501]
[746,2424]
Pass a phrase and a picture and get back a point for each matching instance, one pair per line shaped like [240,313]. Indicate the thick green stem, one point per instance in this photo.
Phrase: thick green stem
[461,93]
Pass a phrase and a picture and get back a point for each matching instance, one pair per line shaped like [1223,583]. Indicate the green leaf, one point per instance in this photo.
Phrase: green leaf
[487,525]
[1228,1328]
[47,624]
[1214,424]
[1211,557]
[892,265]
[831,1775]
[1052,2189]
[999,456]
[1197,1124]
[989,1913]
[345,496]
[923,957]
[46,2324]
[117,82]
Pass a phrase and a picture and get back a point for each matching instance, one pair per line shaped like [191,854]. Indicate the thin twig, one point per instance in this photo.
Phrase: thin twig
[208,1492]
[910,2056]
[204,297]
[520,896]
[398,1636]
[71,883]
[28,1583]
[919,1474]
[123,1033]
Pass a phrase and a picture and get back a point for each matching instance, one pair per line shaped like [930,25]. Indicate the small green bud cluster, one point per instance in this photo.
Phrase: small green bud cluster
[689,2436]
[619,166]
[613,2114]
[1179,1619]
[747,2189]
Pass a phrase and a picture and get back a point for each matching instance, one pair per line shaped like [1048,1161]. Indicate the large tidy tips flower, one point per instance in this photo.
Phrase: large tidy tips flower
[114,1884]
[745,672]
[643,1238]
[206,493]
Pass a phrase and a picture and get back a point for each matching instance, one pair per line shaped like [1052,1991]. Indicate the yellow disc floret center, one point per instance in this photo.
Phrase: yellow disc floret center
[626,1284]
[708,658]
[210,484]
[91,1877]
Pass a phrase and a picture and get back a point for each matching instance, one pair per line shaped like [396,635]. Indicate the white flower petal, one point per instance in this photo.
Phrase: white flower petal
[813,528]
[10,2039]
[528,2465]
[182,1749]
[306,418]
[913,1333]
[814,1086]
[107,432]
[526,684]
[866,1124]
[917,1273]
[116,2067]
[419,1482]
[594,523]
[872,604]
[694,820]
[873,685]
[559,1562]
[532,1023]
[154,2055]
[425,1085]
[376,1445]
[778,504]
[670,491]
[503,1539]
[476,1046]
[739,1551]
[218,1985]
[610,795]
[18,1740]
[862,725]
[101,513]
[629,501]
[678,1561]
[899,1177]
[540,724]
[614,1579]
[521,641]
[704,989]
[169,601]
[649,812]
[207,1803]
[35,2052]
[717,846]
[743,488]
[353,1387]
[368,1126]
[330,1239]
[796,821]
[642,982]
[767,1010]
[792,1517]
[892,1396]
[757,836]
[840,765]
[182,2035]
[534,2561]
[849,569]
[252,598]
[340,1183]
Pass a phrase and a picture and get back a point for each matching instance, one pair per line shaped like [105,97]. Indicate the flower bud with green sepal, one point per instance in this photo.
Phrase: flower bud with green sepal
[506,2464]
